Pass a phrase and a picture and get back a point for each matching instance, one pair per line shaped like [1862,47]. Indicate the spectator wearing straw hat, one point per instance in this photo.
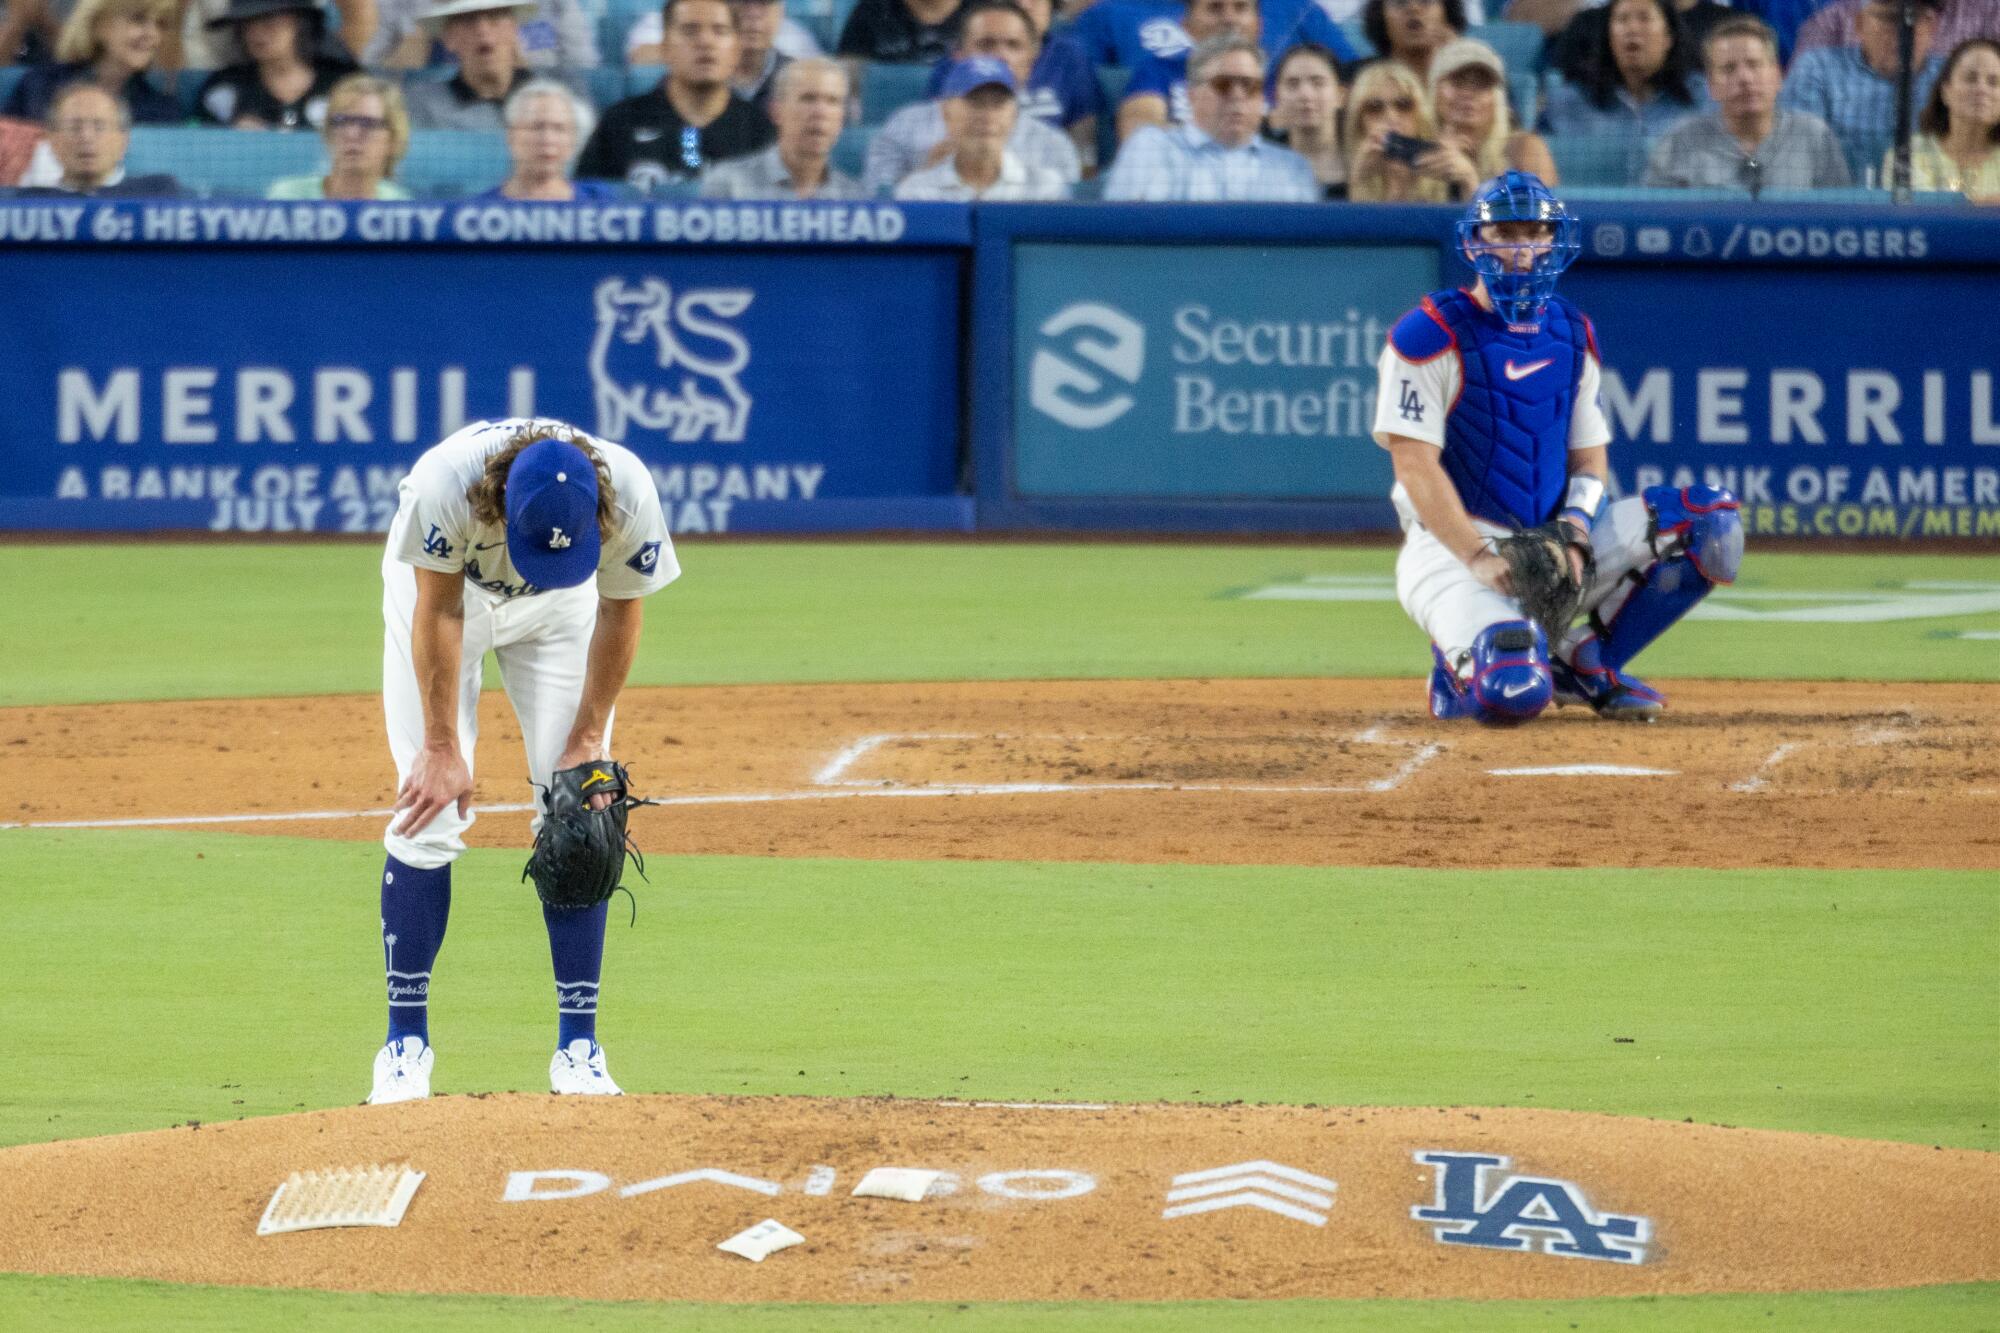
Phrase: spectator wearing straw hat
[553,34]
[485,39]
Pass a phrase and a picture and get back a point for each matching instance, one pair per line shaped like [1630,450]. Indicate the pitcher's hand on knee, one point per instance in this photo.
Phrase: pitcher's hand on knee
[583,751]
[436,780]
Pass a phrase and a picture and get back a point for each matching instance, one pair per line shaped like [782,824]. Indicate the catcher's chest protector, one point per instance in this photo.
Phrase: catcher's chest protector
[1507,438]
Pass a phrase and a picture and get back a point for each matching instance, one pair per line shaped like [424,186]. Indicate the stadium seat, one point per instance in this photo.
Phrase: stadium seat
[186,84]
[1598,159]
[643,78]
[886,89]
[1111,79]
[1857,194]
[1520,48]
[10,75]
[450,164]
[850,152]
[611,30]
[1357,37]
[607,85]
[823,18]
[230,163]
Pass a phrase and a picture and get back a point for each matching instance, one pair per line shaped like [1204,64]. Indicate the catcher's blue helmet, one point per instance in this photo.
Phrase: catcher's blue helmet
[1520,297]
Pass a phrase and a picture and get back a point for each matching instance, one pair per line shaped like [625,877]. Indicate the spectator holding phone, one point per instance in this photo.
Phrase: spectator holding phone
[1305,114]
[1389,130]
[1476,135]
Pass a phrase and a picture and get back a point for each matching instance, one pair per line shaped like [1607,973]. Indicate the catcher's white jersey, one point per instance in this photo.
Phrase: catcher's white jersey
[540,637]
[434,527]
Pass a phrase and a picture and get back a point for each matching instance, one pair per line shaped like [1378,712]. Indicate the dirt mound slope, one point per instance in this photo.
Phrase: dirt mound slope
[627,1199]
[1293,772]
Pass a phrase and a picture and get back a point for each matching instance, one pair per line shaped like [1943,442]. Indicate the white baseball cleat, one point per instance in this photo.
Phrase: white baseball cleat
[402,1072]
[578,1070]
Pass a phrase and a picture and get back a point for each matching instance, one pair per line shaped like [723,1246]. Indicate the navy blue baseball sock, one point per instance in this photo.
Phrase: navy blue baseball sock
[576,947]
[415,904]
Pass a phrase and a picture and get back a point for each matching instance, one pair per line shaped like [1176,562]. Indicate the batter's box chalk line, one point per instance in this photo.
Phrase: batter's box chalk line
[835,773]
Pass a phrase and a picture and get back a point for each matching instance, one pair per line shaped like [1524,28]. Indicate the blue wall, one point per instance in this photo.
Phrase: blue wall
[820,367]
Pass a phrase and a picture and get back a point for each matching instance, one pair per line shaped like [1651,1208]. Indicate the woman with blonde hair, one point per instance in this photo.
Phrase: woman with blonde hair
[1476,131]
[113,43]
[367,133]
[1388,134]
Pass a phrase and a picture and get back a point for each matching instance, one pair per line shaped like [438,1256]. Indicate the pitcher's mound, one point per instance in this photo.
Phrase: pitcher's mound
[627,1198]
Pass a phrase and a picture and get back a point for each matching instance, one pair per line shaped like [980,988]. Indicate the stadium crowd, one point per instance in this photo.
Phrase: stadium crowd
[1162,100]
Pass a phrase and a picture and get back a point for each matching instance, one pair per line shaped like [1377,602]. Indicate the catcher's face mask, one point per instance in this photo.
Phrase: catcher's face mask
[1519,238]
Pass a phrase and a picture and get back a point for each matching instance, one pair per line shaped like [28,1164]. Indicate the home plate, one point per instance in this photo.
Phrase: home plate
[1582,771]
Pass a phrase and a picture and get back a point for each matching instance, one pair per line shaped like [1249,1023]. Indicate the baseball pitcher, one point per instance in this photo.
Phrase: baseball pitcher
[538,543]
[1488,405]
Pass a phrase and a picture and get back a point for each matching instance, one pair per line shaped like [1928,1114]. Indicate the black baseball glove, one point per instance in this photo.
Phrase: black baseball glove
[1545,585]
[580,852]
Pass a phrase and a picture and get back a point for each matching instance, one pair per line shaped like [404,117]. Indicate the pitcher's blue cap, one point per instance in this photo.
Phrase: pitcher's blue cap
[976,72]
[552,514]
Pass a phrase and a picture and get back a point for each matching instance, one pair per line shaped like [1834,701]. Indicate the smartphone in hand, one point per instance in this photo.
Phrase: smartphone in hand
[1402,148]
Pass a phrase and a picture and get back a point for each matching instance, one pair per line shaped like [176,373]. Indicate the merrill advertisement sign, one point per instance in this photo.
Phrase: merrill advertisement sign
[1856,406]
[285,390]
[1204,372]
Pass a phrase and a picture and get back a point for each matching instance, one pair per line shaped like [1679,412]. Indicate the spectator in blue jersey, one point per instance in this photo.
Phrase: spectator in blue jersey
[1638,83]
[915,137]
[1853,88]
[546,127]
[112,43]
[1410,32]
[1060,85]
[1126,32]
[1217,156]
[1158,91]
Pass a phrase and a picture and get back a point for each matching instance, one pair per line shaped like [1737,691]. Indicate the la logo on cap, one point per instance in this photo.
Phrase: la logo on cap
[557,541]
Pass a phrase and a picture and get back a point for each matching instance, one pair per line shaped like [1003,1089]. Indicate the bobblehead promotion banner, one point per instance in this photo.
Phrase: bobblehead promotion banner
[272,388]
[258,367]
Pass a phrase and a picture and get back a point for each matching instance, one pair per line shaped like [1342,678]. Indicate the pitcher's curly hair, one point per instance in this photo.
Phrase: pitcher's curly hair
[488,495]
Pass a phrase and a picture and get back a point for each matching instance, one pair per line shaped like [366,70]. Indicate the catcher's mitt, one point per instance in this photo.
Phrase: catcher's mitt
[580,852]
[1544,584]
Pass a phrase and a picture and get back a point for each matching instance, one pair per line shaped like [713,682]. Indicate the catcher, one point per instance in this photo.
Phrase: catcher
[536,542]
[1488,406]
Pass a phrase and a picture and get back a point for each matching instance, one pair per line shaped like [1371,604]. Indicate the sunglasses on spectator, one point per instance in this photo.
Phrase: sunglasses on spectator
[366,124]
[1233,85]
[1375,106]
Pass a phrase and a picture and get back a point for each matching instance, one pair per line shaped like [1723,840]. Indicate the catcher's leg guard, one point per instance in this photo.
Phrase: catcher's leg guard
[1447,697]
[1510,681]
[1697,538]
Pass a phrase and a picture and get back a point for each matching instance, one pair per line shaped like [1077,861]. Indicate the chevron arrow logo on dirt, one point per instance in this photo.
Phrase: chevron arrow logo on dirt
[1259,1184]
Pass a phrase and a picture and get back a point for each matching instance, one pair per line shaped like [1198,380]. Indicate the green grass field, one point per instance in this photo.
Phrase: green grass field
[207,974]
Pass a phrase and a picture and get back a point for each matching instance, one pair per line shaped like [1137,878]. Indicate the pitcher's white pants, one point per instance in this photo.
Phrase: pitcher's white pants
[1440,593]
[543,645]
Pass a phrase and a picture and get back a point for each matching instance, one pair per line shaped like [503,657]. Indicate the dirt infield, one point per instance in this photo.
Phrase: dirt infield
[1307,772]
[1108,1203]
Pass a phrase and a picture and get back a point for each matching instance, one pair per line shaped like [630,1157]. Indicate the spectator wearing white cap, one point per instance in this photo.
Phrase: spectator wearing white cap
[280,75]
[485,40]
[552,34]
[1476,135]
[1219,156]
[981,109]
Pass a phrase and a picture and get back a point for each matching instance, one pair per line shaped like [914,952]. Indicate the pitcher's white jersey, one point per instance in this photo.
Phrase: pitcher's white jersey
[434,527]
